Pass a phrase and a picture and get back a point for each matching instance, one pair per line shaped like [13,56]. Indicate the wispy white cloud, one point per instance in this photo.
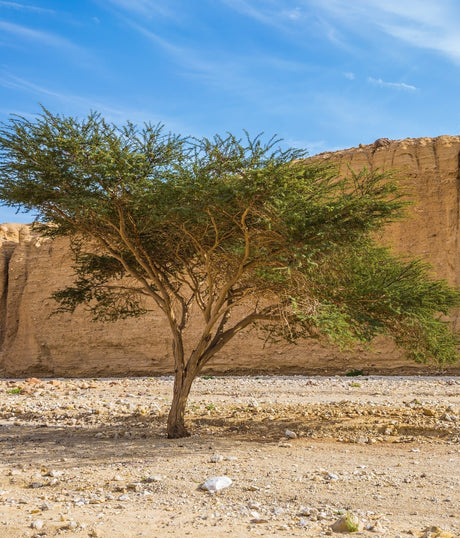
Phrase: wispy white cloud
[425,24]
[144,8]
[16,83]
[11,112]
[165,44]
[216,67]
[44,38]
[25,7]
[295,19]
[274,13]
[349,75]
[187,55]
[195,63]
[83,104]
[222,69]
[312,146]
[395,85]
[437,39]
[8,80]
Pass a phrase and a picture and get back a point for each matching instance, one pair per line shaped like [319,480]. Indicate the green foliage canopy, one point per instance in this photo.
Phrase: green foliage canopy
[220,225]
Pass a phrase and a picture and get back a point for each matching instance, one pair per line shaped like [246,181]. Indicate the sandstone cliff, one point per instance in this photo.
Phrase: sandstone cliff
[34,343]
[431,169]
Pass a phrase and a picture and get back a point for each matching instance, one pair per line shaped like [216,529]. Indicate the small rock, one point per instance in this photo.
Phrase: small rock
[70,525]
[33,381]
[376,527]
[216,458]
[303,522]
[307,511]
[216,483]
[436,532]
[290,434]
[347,523]
[55,383]
[55,474]
[381,143]
[152,478]
[36,485]
[257,519]
[38,524]
[429,412]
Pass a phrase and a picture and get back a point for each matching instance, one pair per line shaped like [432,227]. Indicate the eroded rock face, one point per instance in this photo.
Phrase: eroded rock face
[32,342]
[431,168]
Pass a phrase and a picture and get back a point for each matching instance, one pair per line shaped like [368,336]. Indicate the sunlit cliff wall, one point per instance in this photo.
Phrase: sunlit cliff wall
[34,343]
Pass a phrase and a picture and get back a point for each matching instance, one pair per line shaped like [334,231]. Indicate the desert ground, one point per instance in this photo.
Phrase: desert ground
[82,457]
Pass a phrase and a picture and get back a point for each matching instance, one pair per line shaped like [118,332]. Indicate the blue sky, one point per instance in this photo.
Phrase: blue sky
[322,74]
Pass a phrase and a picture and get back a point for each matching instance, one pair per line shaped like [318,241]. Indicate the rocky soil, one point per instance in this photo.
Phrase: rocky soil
[89,457]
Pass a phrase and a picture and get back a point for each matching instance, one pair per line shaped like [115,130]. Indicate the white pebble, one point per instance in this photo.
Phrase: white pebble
[216,483]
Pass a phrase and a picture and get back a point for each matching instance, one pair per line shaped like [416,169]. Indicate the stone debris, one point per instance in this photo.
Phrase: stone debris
[308,511]
[152,478]
[216,483]
[257,519]
[290,434]
[436,532]
[349,522]
[56,469]
[376,527]
[38,524]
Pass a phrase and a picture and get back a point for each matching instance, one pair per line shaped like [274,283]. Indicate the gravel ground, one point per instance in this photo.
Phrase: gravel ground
[90,458]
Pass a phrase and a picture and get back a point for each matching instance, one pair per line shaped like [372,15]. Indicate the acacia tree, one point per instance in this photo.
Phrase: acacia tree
[234,233]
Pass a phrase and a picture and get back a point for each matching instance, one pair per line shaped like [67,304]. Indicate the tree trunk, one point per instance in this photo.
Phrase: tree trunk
[182,383]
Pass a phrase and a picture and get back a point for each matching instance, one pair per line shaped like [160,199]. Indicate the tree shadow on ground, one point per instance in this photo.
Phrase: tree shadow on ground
[339,429]
[124,437]
[67,446]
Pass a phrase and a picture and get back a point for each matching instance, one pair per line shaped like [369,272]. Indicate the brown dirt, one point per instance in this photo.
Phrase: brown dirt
[90,458]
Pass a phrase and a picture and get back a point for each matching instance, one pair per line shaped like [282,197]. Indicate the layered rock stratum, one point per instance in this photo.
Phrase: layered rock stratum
[33,342]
